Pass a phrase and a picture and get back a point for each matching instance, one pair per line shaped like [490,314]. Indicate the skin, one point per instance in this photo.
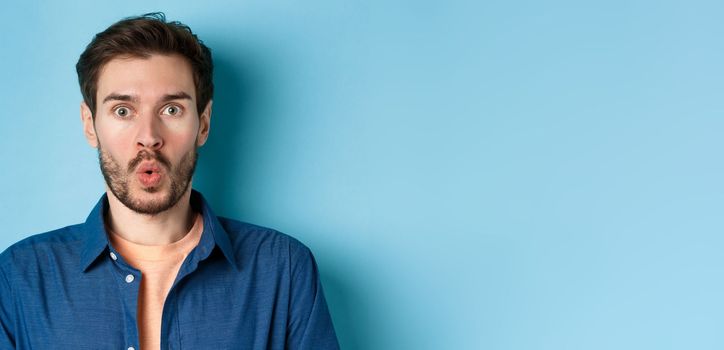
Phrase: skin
[146,116]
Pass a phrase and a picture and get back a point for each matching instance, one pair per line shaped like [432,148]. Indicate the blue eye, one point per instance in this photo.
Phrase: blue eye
[172,110]
[122,112]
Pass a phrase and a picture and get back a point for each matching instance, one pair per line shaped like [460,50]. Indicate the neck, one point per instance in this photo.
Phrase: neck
[159,229]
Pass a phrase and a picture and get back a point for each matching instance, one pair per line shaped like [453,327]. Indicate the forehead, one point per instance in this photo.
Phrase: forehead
[146,77]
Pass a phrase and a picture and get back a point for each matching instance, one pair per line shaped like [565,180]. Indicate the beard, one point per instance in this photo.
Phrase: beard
[118,180]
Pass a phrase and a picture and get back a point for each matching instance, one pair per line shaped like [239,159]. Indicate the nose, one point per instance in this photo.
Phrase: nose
[149,133]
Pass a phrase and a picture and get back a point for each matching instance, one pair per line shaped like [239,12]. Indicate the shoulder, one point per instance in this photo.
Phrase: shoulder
[41,247]
[263,242]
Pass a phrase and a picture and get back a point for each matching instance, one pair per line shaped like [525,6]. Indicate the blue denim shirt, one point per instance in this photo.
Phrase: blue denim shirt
[242,287]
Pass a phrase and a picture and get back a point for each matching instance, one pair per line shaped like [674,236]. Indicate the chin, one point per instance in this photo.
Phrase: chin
[152,190]
[151,195]
[152,202]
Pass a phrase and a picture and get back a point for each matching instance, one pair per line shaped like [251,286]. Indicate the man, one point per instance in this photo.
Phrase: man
[153,267]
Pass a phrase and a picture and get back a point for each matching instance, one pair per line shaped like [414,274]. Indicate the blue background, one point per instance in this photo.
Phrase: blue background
[470,175]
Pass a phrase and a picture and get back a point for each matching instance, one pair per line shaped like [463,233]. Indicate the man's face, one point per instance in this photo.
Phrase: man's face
[147,130]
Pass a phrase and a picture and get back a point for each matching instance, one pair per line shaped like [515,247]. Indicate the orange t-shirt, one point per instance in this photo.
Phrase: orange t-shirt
[159,265]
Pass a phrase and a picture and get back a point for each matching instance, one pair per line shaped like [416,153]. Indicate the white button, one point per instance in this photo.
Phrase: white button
[131,348]
[113,256]
[129,278]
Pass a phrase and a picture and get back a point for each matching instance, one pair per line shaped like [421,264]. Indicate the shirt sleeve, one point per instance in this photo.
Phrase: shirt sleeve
[310,326]
[6,308]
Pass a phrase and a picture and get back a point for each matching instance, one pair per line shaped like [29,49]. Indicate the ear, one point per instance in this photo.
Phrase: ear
[204,125]
[89,128]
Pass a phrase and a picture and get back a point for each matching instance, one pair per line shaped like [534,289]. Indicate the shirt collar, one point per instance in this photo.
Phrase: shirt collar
[96,237]
[214,234]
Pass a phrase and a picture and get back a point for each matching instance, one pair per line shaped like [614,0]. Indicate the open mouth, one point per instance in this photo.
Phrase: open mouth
[149,174]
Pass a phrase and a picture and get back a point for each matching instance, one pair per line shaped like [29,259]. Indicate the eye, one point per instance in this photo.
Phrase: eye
[122,111]
[172,110]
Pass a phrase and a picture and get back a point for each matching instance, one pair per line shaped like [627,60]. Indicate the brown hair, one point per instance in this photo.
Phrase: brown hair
[142,36]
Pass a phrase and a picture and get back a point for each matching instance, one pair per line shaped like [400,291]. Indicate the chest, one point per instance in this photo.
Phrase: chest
[210,306]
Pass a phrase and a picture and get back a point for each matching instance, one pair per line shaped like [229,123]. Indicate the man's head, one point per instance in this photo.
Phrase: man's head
[147,92]
[141,37]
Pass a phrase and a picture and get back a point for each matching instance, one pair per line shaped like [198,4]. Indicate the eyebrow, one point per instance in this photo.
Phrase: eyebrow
[177,96]
[120,97]
[130,98]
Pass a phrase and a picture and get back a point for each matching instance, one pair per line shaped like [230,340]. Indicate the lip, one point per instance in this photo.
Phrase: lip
[149,174]
[146,167]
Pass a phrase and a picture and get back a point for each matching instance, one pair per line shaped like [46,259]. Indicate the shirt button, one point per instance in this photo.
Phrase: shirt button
[113,256]
[131,348]
[129,278]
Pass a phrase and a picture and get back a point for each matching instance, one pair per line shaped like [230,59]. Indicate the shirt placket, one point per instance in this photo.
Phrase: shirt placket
[128,282]
[170,333]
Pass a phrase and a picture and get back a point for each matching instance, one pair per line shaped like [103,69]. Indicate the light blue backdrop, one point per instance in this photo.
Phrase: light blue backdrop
[470,175]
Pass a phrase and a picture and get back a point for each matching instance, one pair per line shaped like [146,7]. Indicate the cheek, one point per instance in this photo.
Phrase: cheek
[180,142]
[114,143]
[182,135]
